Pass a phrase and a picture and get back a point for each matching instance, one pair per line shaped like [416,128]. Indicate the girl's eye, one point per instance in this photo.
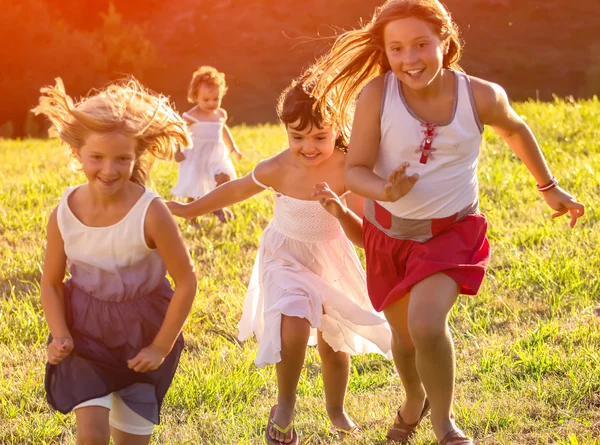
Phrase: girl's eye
[124,158]
[297,138]
[95,157]
[422,45]
[396,49]
[321,138]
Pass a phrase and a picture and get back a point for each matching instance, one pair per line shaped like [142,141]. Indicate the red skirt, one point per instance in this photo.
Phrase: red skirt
[460,250]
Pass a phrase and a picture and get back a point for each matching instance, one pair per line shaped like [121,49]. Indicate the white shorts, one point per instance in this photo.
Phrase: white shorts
[121,416]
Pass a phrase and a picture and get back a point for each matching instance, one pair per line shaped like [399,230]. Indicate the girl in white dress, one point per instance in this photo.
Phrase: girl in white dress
[308,285]
[206,164]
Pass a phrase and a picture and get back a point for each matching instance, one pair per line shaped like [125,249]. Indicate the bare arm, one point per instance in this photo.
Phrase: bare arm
[228,138]
[364,148]
[225,195]
[53,295]
[52,282]
[494,110]
[162,232]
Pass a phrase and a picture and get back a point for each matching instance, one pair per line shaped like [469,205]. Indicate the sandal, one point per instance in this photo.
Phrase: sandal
[284,431]
[341,433]
[401,431]
[455,437]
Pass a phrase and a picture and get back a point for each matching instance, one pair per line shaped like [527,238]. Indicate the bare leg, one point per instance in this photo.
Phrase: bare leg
[123,438]
[225,213]
[428,308]
[336,372]
[403,352]
[294,338]
[92,425]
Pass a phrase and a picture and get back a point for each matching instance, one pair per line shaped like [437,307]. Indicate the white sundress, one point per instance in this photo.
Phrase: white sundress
[306,267]
[207,157]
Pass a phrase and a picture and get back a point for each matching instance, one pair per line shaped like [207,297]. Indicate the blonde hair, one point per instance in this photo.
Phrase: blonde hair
[124,106]
[296,104]
[358,56]
[209,76]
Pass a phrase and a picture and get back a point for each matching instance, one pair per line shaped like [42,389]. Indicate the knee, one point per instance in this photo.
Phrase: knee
[332,357]
[222,178]
[402,344]
[426,329]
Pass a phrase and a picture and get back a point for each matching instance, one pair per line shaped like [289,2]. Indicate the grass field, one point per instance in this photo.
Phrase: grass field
[527,347]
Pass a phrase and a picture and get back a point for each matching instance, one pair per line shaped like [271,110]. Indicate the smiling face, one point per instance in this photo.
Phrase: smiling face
[209,97]
[415,52]
[312,145]
[108,160]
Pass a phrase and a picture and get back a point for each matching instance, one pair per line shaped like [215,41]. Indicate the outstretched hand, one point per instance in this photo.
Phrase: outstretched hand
[176,208]
[399,183]
[328,199]
[564,203]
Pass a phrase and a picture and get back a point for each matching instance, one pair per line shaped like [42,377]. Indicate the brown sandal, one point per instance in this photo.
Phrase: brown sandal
[456,438]
[400,431]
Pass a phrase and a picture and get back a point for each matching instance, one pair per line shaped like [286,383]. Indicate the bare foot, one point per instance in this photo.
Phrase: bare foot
[283,417]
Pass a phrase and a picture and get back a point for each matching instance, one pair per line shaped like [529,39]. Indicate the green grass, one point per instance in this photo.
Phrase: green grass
[528,368]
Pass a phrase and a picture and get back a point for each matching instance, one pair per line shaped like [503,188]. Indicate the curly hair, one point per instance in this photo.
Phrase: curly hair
[124,106]
[209,76]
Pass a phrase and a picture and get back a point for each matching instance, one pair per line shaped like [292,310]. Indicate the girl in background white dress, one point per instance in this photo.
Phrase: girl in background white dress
[206,164]
[308,285]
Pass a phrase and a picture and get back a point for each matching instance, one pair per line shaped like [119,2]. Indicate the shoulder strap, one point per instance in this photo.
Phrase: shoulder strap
[260,184]
[463,80]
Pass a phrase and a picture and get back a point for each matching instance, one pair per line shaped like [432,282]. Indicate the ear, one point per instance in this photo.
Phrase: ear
[77,154]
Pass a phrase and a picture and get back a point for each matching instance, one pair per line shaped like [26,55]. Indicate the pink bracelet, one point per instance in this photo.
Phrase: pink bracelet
[544,188]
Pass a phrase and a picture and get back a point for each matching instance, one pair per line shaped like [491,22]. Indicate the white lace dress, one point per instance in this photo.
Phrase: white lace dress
[306,267]
[207,157]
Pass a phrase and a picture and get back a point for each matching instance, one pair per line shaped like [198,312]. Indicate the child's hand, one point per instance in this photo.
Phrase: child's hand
[179,156]
[563,202]
[148,359]
[176,208]
[329,200]
[399,183]
[59,349]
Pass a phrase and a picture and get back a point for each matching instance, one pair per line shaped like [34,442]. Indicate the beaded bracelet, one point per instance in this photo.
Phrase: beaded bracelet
[544,188]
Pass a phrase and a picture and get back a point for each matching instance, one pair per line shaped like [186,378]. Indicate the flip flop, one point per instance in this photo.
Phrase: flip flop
[284,431]
[456,438]
[341,433]
[400,431]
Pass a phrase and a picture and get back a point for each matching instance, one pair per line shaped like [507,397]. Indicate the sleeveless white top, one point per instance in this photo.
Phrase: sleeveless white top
[111,263]
[448,180]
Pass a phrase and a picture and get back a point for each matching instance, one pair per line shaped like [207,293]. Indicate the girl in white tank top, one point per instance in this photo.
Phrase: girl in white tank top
[115,323]
[413,156]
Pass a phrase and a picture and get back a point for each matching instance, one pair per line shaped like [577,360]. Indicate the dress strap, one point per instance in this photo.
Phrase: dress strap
[260,184]
[346,193]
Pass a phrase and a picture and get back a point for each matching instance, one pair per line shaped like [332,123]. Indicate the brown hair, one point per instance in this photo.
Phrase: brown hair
[209,76]
[358,56]
[124,106]
[296,103]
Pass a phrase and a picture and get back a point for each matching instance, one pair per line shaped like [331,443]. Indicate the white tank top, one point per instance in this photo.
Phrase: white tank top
[111,263]
[448,176]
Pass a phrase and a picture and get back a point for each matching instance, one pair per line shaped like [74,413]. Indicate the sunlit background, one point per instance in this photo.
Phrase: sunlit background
[533,48]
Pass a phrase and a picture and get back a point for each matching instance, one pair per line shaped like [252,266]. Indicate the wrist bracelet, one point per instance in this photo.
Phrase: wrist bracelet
[543,188]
